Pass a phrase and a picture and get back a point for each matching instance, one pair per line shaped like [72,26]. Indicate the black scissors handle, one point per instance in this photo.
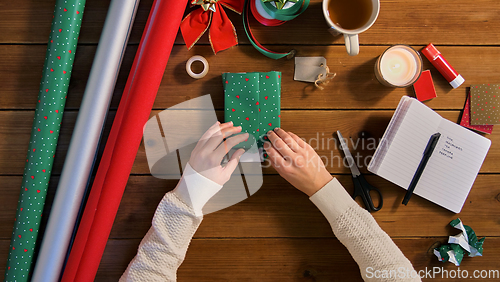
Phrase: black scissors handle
[362,188]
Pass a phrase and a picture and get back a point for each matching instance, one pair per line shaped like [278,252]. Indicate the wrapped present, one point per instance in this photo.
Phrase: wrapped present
[253,101]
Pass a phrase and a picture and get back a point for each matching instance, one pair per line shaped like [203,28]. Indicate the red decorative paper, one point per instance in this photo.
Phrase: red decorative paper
[466,120]
[124,140]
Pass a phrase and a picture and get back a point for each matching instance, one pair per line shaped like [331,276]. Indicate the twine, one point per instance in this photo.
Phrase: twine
[324,79]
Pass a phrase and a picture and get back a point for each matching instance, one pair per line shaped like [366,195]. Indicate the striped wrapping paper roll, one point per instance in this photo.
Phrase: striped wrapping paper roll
[44,135]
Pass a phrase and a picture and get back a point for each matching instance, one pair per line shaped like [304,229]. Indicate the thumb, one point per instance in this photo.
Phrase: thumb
[233,162]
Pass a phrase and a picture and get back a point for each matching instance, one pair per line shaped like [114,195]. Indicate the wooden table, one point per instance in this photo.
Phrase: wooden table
[277,234]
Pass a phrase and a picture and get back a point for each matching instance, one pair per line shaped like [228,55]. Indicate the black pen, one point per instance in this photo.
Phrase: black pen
[425,158]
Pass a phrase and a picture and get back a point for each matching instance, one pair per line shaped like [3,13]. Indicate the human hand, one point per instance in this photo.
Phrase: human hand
[207,156]
[296,161]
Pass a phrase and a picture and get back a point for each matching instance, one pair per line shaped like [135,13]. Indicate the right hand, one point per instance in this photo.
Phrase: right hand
[207,156]
[296,161]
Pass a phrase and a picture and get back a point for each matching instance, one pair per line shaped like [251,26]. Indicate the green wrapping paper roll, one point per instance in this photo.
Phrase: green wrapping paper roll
[44,135]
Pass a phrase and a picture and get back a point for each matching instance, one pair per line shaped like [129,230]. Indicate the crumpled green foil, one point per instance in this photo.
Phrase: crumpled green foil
[459,244]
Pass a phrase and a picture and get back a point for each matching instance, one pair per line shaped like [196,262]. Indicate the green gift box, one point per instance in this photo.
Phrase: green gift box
[253,101]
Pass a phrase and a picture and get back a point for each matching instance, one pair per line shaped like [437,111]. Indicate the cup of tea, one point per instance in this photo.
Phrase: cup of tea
[350,17]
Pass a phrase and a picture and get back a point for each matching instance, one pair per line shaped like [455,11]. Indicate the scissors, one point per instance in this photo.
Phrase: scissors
[361,186]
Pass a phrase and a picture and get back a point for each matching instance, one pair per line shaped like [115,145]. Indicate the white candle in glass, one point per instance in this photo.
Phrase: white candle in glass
[398,66]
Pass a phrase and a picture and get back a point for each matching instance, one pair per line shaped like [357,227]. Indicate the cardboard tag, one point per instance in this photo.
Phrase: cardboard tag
[308,69]
[311,61]
[308,73]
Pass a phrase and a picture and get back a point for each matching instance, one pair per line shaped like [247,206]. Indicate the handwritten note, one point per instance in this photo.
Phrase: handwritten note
[452,168]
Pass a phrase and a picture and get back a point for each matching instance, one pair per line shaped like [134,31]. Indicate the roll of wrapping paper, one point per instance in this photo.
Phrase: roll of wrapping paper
[278,15]
[86,134]
[44,135]
[124,139]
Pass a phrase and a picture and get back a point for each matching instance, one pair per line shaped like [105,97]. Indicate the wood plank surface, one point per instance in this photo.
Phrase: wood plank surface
[364,127]
[444,22]
[355,86]
[277,234]
[279,210]
[286,259]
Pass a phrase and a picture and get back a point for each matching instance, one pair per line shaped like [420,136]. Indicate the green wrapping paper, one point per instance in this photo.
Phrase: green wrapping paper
[252,101]
[458,245]
[44,135]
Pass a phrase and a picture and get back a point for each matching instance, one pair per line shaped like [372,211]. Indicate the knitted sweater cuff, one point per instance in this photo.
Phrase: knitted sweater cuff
[332,200]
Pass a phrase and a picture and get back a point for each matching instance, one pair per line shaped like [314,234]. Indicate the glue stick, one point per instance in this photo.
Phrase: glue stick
[440,63]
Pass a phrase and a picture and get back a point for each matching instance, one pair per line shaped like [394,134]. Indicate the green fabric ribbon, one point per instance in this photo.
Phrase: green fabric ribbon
[253,101]
[279,3]
[285,14]
[263,50]
[44,135]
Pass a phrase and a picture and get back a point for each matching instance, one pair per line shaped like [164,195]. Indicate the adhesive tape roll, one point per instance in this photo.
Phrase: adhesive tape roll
[191,61]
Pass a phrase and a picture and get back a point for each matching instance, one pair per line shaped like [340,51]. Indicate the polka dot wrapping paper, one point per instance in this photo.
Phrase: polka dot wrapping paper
[485,104]
[253,101]
[465,120]
[44,135]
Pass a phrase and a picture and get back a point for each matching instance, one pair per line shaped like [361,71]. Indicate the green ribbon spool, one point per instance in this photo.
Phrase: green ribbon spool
[263,50]
[286,14]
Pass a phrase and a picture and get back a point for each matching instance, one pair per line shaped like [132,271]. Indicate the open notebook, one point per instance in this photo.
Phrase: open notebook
[453,166]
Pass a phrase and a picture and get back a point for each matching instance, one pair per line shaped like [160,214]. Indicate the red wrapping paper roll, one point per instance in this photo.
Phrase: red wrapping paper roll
[124,139]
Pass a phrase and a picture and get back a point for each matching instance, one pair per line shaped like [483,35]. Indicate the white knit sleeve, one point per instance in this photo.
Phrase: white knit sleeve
[378,257]
[176,219]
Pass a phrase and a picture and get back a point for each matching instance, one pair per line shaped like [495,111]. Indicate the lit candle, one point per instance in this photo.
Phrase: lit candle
[398,66]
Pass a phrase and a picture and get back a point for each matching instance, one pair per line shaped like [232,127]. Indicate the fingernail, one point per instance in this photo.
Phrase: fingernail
[276,128]
[270,131]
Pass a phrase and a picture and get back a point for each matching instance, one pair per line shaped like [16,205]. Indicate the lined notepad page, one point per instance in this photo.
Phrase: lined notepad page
[453,166]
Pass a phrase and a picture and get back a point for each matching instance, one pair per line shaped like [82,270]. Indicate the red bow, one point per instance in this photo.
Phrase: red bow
[222,34]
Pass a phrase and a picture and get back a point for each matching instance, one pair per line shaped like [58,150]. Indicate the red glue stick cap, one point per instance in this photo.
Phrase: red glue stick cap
[430,52]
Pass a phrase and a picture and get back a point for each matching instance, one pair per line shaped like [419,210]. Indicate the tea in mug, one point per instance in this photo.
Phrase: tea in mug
[350,14]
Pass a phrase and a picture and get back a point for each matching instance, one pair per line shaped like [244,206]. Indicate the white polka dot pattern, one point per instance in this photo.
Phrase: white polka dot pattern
[253,101]
[44,135]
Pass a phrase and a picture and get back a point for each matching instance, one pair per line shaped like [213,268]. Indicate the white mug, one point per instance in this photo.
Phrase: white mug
[351,35]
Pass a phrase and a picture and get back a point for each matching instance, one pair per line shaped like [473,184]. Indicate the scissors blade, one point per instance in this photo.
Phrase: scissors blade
[347,153]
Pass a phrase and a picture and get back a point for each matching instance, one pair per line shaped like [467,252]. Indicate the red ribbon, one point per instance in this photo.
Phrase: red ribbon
[222,33]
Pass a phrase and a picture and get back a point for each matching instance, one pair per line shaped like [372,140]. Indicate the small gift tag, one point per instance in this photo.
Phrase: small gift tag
[308,73]
[311,61]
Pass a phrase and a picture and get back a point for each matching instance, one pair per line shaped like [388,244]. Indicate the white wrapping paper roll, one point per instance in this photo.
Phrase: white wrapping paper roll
[85,139]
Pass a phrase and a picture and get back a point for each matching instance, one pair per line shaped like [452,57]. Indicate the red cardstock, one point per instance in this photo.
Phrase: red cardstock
[424,87]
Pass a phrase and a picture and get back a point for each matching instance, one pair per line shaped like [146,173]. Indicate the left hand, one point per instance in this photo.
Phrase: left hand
[207,156]
[296,161]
